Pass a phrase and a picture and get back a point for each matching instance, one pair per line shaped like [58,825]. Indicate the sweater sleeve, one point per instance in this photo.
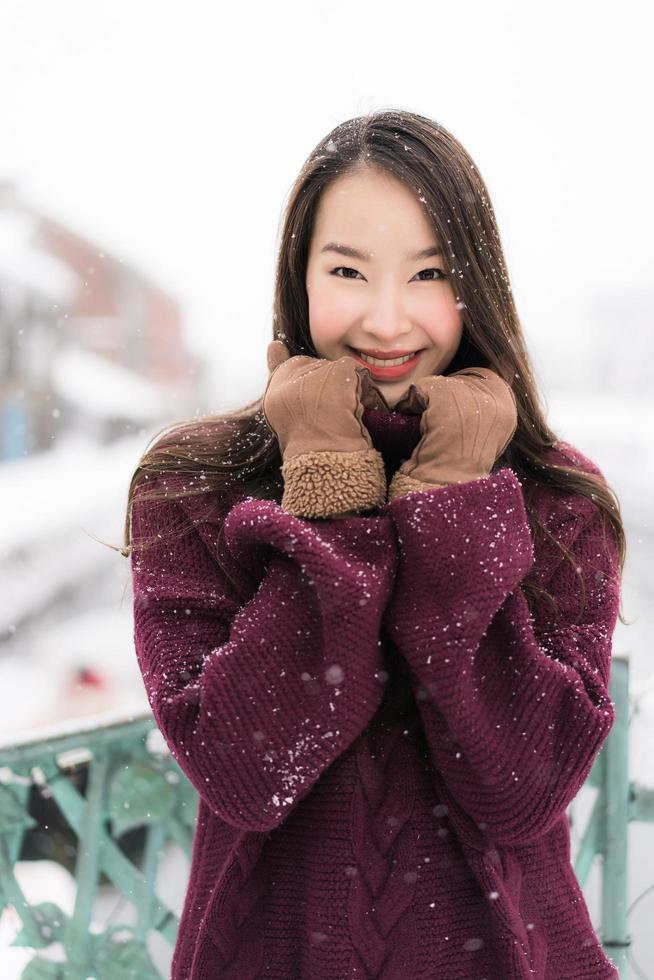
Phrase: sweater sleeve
[514,712]
[260,655]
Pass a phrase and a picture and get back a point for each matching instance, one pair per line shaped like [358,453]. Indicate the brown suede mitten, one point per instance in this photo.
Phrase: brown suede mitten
[315,406]
[468,419]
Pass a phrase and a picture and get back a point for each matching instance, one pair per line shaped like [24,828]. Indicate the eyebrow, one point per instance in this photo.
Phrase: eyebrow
[353,253]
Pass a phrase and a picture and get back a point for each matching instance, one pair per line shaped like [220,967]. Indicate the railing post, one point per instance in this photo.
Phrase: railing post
[615,845]
[77,939]
[154,843]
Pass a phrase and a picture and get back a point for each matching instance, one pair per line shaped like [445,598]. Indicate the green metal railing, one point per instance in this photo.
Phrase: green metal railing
[618,802]
[133,782]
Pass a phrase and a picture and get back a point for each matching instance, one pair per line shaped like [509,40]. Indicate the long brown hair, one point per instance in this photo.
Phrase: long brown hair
[218,453]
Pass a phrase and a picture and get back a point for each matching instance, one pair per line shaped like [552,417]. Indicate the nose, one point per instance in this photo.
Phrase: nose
[386,322]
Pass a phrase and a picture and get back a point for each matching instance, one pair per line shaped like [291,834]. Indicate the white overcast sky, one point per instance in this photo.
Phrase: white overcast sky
[171,134]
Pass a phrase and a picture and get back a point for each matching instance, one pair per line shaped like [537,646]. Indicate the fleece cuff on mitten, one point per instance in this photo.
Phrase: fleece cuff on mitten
[325,483]
[402,484]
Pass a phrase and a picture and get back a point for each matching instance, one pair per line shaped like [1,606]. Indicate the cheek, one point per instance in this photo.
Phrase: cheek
[329,313]
[453,323]
[441,320]
[446,311]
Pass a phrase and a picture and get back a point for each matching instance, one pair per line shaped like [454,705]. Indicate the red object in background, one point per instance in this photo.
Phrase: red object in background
[89,677]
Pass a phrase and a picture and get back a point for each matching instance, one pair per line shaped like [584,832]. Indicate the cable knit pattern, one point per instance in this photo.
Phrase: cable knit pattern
[383,739]
[384,939]
[237,915]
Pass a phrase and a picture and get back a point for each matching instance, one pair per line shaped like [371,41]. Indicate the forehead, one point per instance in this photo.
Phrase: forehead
[372,208]
[362,185]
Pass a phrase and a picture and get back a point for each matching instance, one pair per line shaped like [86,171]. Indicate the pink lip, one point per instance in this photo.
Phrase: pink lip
[394,373]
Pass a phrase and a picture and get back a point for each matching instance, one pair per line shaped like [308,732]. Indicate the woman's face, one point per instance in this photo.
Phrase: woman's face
[384,298]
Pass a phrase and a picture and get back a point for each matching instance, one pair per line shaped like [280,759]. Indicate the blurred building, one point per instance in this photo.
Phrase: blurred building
[87,343]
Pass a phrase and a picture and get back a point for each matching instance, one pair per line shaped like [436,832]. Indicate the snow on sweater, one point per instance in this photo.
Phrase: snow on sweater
[383,740]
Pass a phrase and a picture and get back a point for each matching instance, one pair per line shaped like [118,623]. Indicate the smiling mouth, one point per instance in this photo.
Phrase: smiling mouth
[390,370]
[386,361]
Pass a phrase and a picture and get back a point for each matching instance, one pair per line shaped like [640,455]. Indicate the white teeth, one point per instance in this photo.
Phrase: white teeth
[378,361]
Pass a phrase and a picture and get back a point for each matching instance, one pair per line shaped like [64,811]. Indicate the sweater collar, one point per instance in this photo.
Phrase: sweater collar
[394,434]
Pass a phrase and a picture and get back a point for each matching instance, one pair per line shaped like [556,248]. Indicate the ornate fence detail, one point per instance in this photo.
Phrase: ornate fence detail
[618,802]
[131,781]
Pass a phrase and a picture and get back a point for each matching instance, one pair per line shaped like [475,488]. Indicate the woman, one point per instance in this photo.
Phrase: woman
[373,610]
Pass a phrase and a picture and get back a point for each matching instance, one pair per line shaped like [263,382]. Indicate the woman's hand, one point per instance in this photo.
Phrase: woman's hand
[468,420]
[314,407]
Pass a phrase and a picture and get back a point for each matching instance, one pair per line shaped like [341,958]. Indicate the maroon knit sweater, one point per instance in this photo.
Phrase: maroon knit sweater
[383,737]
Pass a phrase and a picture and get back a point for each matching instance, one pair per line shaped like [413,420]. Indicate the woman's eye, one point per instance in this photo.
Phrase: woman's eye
[346,269]
[343,268]
[440,275]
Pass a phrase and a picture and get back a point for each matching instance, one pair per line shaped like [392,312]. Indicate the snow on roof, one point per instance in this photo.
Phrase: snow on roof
[24,263]
[66,489]
[102,388]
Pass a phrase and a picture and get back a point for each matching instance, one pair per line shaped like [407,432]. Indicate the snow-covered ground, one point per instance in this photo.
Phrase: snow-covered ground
[65,606]
[65,612]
